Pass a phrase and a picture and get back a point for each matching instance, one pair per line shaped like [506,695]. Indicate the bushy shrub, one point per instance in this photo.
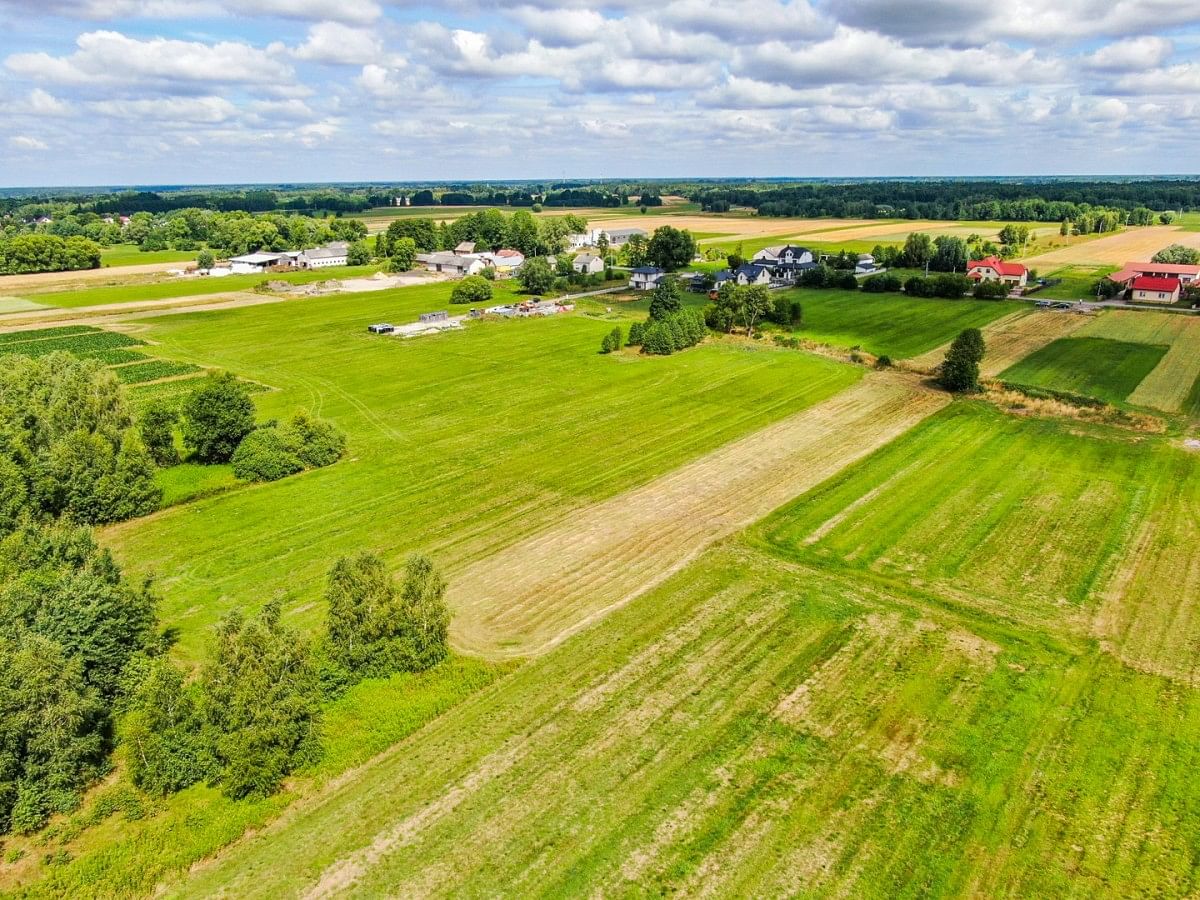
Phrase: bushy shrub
[675,331]
[157,424]
[883,362]
[472,289]
[844,280]
[315,442]
[636,330]
[216,417]
[264,455]
[990,290]
[788,312]
[885,283]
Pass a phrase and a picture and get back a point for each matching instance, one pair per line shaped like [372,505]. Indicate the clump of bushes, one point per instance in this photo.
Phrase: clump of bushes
[881,284]
[674,331]
[787,311]
[960,370]
[472,289]
[990,290]
[273,452]
[612,341]
[824,276]
[216,417]
[636,332]
[952,287]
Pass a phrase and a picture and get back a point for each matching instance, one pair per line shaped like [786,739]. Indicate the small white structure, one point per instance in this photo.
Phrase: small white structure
[645,278]
[505,262]
[579,241]
[588,264]
[332,254]
[255,263]
[865,264]
[785,254]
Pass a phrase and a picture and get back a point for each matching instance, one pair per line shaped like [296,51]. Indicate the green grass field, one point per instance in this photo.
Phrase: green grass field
[166,288]
[891,324]
[1076,282]
[132,255]
[1096,367]
[964,665]
[458,444]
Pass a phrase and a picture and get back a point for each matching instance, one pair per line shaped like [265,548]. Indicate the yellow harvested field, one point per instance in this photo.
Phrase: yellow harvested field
[1170,382]
[534,594]
[1011,339]
[731,226]
[63,280]
[1132,245]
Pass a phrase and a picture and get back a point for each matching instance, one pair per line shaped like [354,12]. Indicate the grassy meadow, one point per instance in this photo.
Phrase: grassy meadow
[458,444]
[132,255]
[964,664]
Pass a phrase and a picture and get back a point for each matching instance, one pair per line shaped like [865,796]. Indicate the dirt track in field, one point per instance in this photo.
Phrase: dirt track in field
[1011,339]
[63,280]
[534,594]
[1135,244]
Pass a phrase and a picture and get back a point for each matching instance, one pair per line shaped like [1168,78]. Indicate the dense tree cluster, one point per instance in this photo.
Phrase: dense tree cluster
[472,289]
[67,444]
[1051,200]
[27,253]
[488,229]
[670,248]
[951,287]
[1178,254]
[69,626]
[276,451]
[739,305]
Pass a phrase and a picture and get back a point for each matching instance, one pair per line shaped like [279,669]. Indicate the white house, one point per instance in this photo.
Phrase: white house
[617,237]
[645,278]
[505,262]
[579,241]
[588,264]
[786,254]
[865,264]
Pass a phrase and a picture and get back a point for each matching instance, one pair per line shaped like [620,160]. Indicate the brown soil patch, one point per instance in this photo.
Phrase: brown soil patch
[63,280]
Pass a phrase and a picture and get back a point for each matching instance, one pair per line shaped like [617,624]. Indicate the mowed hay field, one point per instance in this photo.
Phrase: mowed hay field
[1096,367]
[459,444]
[1174,384]
[759,727]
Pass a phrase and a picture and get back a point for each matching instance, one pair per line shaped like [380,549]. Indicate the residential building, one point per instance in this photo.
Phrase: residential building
[1131,270]
[992,268]
[865,265]
[617,237]
[645,278]
[588,264]
[1149,289]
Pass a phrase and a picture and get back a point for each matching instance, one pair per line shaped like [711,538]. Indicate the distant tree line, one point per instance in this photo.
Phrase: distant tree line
[1049,201]
[28,253]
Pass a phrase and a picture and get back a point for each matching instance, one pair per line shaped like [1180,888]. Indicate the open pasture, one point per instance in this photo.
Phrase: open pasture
[459,444]
[132,255]
[1010,339]
[1095,367]
[757,728]
[891,324]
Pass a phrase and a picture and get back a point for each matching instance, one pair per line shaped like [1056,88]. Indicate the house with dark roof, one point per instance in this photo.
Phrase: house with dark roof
[645,278]
[587,264]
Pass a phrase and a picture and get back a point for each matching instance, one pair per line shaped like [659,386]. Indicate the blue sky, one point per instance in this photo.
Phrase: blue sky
[176,91]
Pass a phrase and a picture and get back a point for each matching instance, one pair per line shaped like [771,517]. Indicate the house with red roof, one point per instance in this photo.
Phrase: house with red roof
[1131,270]
[992,268]
[1150,289]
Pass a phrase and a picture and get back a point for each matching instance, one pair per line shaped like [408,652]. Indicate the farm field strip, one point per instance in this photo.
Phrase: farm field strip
[1103,368]
[1010,339]
[752,728]
[1171,383]
[1116,249]
[531,595]
[1018,518]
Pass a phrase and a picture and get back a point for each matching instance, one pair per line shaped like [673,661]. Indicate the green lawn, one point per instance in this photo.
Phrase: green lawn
[458,444]
[1077,283]
[891,324]
[132,255]
[166,288]
[1096,367]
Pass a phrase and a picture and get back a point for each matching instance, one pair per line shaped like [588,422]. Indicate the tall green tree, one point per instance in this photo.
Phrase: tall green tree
[216,416]
[536,276]
[960,369]
[665,299]
[260,698]
[671,248]
[918,250]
